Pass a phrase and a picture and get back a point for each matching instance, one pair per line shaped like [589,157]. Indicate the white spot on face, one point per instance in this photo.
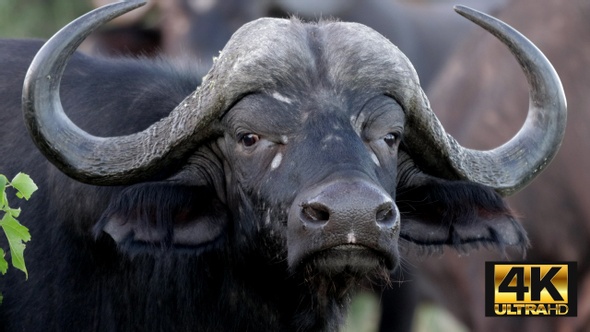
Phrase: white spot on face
[284,139]
[276,161]
[304,116]
[282,98]
[358,122]
[375,159]
[330,138]
[351,238]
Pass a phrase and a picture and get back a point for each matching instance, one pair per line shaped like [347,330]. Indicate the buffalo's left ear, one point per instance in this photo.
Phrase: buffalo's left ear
[160,215]
[460,214]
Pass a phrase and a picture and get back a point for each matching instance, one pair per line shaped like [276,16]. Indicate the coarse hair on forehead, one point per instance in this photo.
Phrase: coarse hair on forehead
[284,55]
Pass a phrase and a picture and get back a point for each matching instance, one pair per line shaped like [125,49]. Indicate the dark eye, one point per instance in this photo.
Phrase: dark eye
[249,139]
[391,139]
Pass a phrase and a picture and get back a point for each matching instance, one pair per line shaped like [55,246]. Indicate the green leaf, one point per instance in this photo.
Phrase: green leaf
[24,184]
[3,182]
[3,262]
[14,212]
[16,234]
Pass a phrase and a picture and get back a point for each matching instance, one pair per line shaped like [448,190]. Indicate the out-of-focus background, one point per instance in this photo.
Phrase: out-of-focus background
[476,89]
[37,18]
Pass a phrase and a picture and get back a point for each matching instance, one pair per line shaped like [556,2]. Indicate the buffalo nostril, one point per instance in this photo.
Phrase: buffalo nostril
[386,215]
[315,213]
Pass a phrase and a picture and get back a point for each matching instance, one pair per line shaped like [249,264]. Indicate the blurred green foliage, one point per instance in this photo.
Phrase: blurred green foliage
[365,313]
[38,18]
[432,318]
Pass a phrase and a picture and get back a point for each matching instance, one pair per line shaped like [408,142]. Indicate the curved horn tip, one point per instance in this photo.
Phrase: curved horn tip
[480,18]
[464,10]
[547,103]
[41,91]
[131,4]
[470,13]
[138,2]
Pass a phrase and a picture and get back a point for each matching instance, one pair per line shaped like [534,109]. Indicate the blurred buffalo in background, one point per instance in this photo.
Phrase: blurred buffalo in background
[425,31]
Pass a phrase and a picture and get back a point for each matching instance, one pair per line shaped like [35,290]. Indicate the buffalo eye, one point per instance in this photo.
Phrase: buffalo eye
[391,139]
[249,140]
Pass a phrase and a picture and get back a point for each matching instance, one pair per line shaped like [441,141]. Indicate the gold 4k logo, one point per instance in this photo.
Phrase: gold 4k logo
[531,289]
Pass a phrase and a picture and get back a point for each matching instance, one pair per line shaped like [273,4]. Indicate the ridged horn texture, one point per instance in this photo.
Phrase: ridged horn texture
[511,166]
[98,160]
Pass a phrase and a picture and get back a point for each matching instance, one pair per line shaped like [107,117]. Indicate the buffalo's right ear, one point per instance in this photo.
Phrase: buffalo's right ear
[437,212]
[459,214]
[164,215]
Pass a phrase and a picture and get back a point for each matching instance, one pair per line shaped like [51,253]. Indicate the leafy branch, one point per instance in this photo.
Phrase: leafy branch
[16,234]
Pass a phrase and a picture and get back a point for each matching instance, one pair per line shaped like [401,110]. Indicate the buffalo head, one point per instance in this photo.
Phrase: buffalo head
[313,140]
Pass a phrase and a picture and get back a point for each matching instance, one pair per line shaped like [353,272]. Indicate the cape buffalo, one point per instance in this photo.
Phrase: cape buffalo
[260,200]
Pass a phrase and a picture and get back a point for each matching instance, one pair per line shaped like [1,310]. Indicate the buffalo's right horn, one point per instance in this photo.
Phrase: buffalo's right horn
[99,160]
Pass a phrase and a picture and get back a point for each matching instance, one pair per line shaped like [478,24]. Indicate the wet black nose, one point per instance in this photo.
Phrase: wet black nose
[340,205]
[343,214]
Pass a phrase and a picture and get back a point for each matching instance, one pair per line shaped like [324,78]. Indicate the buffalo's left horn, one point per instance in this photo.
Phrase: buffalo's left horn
[514,164]
[100,160]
